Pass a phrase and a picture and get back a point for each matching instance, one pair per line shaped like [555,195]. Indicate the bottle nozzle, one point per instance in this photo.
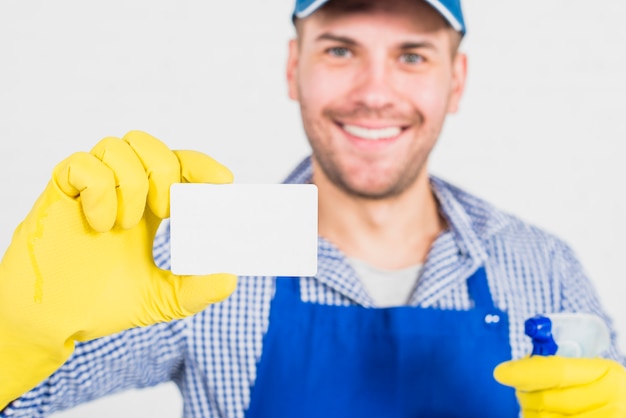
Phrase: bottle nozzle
[539,329]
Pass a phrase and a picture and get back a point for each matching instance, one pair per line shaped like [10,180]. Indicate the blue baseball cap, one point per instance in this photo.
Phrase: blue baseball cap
[449,9]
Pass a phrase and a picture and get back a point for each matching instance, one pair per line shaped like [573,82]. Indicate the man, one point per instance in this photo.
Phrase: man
[422,289]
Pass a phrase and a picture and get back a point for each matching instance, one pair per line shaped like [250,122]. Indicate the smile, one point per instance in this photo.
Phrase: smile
[371,134]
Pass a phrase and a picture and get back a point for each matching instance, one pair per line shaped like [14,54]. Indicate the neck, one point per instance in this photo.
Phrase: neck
[391,233]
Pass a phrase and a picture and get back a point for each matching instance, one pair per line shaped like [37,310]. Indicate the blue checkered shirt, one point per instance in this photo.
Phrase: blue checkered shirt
[212,357]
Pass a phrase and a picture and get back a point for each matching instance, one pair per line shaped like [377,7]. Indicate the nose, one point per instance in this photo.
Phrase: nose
[374,84]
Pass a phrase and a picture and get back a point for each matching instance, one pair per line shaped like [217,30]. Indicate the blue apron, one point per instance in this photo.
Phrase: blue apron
[350,361]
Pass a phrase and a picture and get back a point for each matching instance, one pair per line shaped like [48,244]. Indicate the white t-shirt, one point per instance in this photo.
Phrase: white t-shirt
[387,287]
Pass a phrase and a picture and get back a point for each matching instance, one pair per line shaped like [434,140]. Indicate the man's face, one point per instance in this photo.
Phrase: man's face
[375,80]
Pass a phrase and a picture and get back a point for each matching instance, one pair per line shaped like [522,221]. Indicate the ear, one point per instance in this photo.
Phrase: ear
[459,76]
[292,69]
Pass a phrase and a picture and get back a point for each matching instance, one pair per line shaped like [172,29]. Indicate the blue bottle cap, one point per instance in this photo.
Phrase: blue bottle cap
[539,329]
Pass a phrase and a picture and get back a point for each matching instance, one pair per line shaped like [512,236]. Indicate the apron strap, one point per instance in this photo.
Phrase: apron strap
[478,289]
[287,290]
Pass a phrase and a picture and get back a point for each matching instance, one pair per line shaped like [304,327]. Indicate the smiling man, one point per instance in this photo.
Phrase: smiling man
[422,289]
[374,85]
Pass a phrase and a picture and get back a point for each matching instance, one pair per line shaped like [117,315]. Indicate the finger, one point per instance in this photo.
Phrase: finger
[130,178]
[612,410]
[606,411]
[161,166]
[574,400]
[182,296]
[197,167]
[541,414]
[83,175]
[194,293]
[567,401]
[547,372]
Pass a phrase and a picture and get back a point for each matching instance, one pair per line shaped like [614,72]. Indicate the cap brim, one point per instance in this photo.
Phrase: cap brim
[435,4]
[447,15]
[308,10]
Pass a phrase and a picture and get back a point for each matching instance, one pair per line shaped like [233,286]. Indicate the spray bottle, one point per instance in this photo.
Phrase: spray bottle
[568,334]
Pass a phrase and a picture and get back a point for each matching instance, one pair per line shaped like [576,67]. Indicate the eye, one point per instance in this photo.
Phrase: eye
[339,52]
[411,58]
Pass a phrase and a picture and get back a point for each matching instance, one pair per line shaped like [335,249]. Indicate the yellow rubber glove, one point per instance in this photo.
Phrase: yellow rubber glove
[555,386]
[80,265]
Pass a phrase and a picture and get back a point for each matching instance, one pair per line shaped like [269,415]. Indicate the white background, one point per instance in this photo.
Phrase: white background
[541,130]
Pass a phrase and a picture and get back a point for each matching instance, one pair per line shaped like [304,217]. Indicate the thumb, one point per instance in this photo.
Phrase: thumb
[197,292]
[177,297]
[548,372]
[196,167]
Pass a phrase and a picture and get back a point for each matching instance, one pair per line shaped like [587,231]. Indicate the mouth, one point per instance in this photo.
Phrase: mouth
[371,134]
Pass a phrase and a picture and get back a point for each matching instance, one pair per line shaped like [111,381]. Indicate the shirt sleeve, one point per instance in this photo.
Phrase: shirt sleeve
[137,358]
[579,295]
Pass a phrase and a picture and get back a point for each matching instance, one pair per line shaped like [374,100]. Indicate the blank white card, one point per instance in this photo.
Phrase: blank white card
[244,229]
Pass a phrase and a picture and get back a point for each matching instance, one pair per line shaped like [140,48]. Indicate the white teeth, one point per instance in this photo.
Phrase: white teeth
[372,134]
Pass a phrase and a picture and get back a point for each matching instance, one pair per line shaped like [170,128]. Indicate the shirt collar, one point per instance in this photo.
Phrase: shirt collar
[468,217]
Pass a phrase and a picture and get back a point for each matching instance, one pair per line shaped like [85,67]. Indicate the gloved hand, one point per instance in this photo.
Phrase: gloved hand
[555,386]
[80,265]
